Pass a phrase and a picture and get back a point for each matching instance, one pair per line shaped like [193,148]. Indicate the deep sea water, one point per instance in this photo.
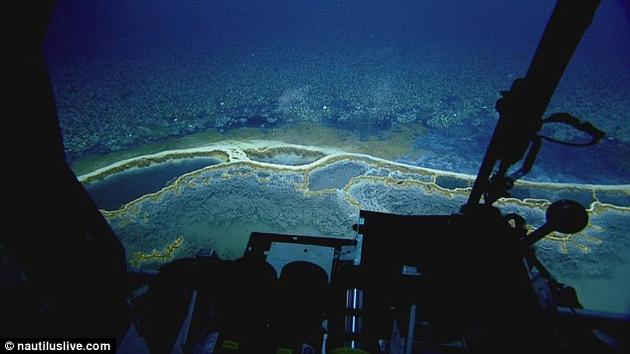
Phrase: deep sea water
[413,82]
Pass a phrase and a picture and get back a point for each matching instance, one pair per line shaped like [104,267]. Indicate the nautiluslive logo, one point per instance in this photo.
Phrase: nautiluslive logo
[102,345]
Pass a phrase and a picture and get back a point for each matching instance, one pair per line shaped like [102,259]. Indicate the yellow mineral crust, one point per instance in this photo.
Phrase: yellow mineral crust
[237,161]
[164,255]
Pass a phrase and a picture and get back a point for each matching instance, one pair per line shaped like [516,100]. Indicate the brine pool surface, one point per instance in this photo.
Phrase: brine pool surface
[172,209]
[118,189]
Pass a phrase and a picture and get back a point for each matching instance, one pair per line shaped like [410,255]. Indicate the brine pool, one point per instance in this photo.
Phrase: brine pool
[168,205]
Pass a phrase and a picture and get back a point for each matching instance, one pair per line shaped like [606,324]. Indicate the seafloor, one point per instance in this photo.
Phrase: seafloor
[373,94]
[270,186]
[195,128]
[371,77]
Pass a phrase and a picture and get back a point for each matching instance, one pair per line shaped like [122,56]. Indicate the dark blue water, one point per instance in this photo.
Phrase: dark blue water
[115,191]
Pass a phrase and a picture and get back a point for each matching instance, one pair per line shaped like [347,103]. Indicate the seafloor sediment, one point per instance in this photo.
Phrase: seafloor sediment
[271,186]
